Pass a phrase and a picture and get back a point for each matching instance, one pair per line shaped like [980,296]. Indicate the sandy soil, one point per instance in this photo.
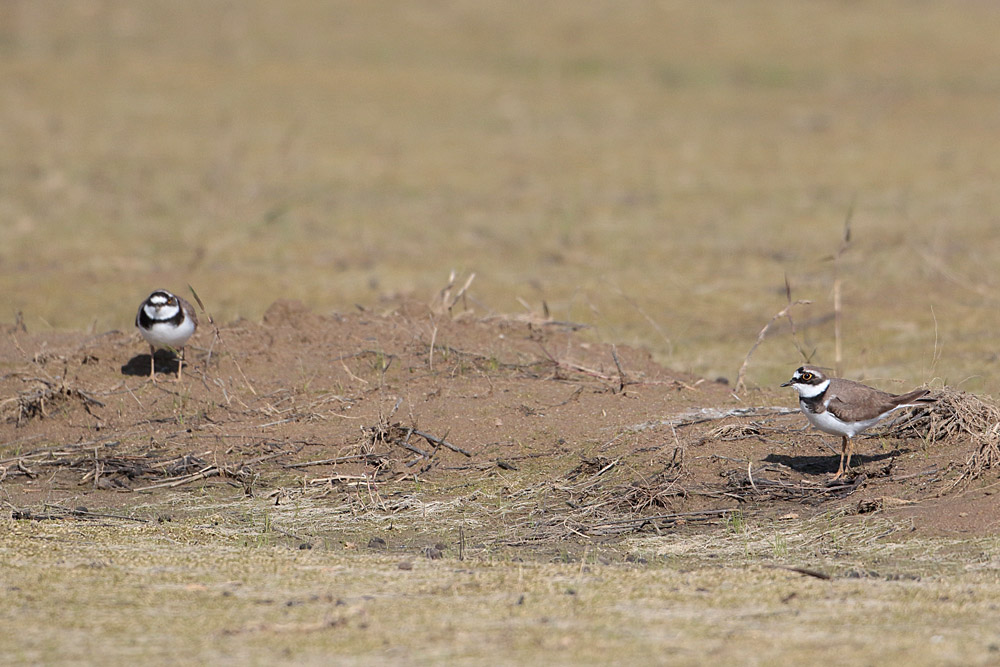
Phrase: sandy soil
[602,440]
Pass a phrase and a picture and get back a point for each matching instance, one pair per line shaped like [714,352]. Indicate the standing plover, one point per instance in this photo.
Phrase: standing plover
[166,321]
[846,408]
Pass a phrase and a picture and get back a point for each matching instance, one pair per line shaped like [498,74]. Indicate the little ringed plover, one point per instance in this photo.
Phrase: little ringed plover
[846,408]
[166,321]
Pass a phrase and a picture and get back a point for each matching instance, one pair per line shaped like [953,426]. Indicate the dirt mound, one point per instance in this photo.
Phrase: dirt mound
[368,410]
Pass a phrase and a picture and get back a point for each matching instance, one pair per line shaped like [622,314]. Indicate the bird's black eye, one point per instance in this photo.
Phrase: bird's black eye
[807,376]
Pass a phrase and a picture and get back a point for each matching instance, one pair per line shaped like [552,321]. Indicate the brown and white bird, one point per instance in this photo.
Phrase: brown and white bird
[846,408]
[166,321]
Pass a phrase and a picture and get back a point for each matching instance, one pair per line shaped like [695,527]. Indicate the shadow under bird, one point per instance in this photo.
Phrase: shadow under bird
[845,407]
[166,321]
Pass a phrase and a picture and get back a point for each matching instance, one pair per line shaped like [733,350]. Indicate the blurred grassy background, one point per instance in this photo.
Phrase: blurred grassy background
[652,168]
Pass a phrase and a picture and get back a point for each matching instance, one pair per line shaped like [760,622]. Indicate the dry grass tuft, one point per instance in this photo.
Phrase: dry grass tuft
[41,399]
[734,432]
[449,296]
[957,414]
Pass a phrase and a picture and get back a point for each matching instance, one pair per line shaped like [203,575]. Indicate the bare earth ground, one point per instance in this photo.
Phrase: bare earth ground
[430,439]
[367,407]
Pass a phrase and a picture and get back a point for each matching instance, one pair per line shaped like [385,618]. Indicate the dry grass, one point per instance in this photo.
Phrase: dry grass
[259,596]
[45,396]
[446,300]
[867,547]
[958,415]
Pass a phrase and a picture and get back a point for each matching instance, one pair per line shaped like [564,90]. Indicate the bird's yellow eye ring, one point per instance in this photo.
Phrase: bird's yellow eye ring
[807,376]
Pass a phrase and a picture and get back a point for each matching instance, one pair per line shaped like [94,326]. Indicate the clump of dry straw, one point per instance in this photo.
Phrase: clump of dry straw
[959,415]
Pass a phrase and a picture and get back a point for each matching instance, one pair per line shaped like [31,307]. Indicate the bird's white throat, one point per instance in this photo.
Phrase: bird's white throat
[161,312]
[811,390]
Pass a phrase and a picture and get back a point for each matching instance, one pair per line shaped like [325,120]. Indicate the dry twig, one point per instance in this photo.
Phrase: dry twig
[837,310]
[218,337]
[741,376]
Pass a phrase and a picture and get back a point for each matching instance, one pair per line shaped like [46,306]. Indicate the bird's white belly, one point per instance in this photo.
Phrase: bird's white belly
[828,423]
[167,335]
